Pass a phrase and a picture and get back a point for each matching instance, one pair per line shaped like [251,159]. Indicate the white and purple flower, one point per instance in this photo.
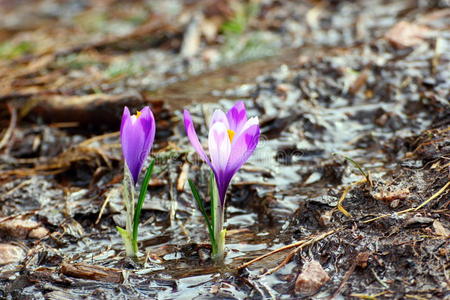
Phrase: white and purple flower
[232,140]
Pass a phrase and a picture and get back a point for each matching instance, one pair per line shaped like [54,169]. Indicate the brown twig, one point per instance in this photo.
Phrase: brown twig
[302,243]
[345,192]
[286,260]
[339,204]
[379,279]
[369,297]
[102,208]
[434,196]
[387,215]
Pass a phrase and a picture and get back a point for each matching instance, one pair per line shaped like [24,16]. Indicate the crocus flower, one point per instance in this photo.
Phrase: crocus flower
[231,141]
[137,133]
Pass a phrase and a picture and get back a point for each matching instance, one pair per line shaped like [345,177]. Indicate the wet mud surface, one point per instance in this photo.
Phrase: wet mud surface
[346,197]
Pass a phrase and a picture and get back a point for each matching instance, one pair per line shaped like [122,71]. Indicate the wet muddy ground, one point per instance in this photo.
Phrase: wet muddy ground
[346,197]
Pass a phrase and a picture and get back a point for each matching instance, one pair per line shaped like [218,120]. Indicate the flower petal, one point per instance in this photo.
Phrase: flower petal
[219,146]
[137,136]
[132,139]
[237,116]
[219,116]
[147,121]
[242,148]
[193,138]
[125,117]
[249,123]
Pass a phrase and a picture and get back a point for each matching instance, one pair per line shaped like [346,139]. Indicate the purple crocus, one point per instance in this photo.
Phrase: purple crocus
[137,133]
[231,141]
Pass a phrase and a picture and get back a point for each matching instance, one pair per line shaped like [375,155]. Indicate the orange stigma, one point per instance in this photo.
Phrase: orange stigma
[138,114]
[231,134]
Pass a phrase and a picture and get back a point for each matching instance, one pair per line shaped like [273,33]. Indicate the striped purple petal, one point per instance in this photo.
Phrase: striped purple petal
[232,140]
[219,117]
[237,116]
[193,138]
[219,146]
[243,147]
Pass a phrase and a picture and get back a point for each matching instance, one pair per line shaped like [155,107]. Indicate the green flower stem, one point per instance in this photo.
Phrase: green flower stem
[202,209]
[133,212]
[219,236]
[128,198]
[215,221]
[217,215]
[126,238]
[140,203]
[220,252]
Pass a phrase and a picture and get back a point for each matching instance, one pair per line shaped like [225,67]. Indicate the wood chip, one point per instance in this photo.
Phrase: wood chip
[92,272]
[10,254]
[182,179]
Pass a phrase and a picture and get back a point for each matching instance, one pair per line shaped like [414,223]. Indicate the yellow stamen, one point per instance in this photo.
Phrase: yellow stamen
[231,134]
[138,114]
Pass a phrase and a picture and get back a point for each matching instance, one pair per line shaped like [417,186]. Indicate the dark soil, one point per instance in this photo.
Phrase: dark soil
[336,85]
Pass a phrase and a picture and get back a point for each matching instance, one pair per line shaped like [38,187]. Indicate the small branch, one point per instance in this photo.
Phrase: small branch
[379,280]
[434,196]
[286,260]
[102,208]
[388,215]
[409,296]
[344,194]
[369,297]
[339,204]
[302,243]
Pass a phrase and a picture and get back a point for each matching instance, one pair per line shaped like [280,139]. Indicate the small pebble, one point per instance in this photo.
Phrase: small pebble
[311,279]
